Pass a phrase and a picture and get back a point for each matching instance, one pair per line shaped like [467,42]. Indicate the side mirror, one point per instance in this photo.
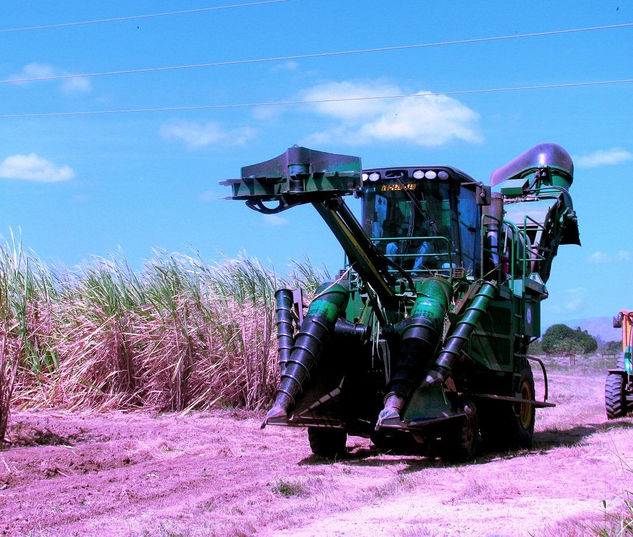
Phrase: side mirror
[617,320]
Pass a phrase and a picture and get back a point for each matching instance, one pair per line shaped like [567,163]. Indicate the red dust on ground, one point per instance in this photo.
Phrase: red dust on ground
[218,474]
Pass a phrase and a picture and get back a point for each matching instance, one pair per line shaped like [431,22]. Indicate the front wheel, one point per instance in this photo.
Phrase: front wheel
[327,443]
[525,412]
[506,425]
[460,443]
[615,396]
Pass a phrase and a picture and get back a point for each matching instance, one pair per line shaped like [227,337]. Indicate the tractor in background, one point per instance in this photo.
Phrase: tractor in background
[422,337]
[618,389]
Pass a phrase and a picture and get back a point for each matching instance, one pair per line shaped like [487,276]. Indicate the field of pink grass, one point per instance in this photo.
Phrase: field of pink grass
[216,473]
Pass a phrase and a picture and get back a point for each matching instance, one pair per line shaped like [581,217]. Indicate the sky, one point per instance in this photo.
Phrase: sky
[134,180]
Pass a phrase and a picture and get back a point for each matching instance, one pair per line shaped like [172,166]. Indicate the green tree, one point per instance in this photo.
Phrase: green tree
[611,347]
[561,339]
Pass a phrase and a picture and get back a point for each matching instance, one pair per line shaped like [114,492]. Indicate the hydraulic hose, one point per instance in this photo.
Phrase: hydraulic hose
[420,336]
[317,326]
[461,334]
[285,326]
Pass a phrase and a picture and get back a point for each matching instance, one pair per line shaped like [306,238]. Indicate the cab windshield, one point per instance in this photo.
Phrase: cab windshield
[423,226]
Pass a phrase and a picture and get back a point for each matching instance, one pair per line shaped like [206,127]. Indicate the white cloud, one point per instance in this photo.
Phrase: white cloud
[274,220]
[604,157]
[350,110]
[574,298]
[196,135]
[79,84]
[598,258]
[602,258]
[567,302]
[33,168]
[36,70]
[422,119]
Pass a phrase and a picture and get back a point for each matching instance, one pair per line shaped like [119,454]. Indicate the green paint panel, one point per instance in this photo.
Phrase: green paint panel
[492,342]
[430,403]
[514,187]
[437,289]
[330,301]
[432,303]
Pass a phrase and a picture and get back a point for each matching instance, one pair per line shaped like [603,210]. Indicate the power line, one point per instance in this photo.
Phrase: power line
[315,101]
[136,17]
[319,54]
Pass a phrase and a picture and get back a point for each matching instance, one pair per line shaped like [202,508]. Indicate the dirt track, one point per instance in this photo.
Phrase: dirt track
[219,475]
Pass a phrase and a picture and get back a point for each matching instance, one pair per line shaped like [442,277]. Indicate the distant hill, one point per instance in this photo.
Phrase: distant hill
[599,327]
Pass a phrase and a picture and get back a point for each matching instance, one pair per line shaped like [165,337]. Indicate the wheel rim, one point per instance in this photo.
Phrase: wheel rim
[471,428]
[525,410]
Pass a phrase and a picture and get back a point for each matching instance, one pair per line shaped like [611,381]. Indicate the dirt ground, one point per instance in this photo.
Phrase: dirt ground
[218,474]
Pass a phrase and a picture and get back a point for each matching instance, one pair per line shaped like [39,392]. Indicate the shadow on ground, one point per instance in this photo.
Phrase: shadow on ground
[553,438]
[419,459]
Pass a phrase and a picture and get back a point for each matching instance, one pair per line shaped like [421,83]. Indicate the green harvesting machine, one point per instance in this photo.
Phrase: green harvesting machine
[422,338]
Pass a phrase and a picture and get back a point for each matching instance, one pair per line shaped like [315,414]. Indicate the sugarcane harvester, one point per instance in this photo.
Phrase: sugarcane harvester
[618,388]
[423,336]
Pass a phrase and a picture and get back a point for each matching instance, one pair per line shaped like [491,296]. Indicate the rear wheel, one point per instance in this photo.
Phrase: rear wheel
[328,443]
[615,396]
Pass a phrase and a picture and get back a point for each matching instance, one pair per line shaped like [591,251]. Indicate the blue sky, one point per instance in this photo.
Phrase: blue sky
[84,185]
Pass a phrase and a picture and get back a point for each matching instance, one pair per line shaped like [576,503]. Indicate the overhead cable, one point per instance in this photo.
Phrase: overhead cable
[318,54]
[136,17]
[316,101]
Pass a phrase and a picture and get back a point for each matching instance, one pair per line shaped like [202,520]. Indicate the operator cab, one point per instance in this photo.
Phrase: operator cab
[424,219]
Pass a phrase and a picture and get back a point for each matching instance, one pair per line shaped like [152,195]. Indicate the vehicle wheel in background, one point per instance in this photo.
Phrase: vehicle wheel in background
[614,396]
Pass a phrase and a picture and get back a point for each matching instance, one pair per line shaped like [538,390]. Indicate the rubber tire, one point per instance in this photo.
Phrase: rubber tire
[504,425]
[327,443]
[615,396]
[525,414]
[460,443]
